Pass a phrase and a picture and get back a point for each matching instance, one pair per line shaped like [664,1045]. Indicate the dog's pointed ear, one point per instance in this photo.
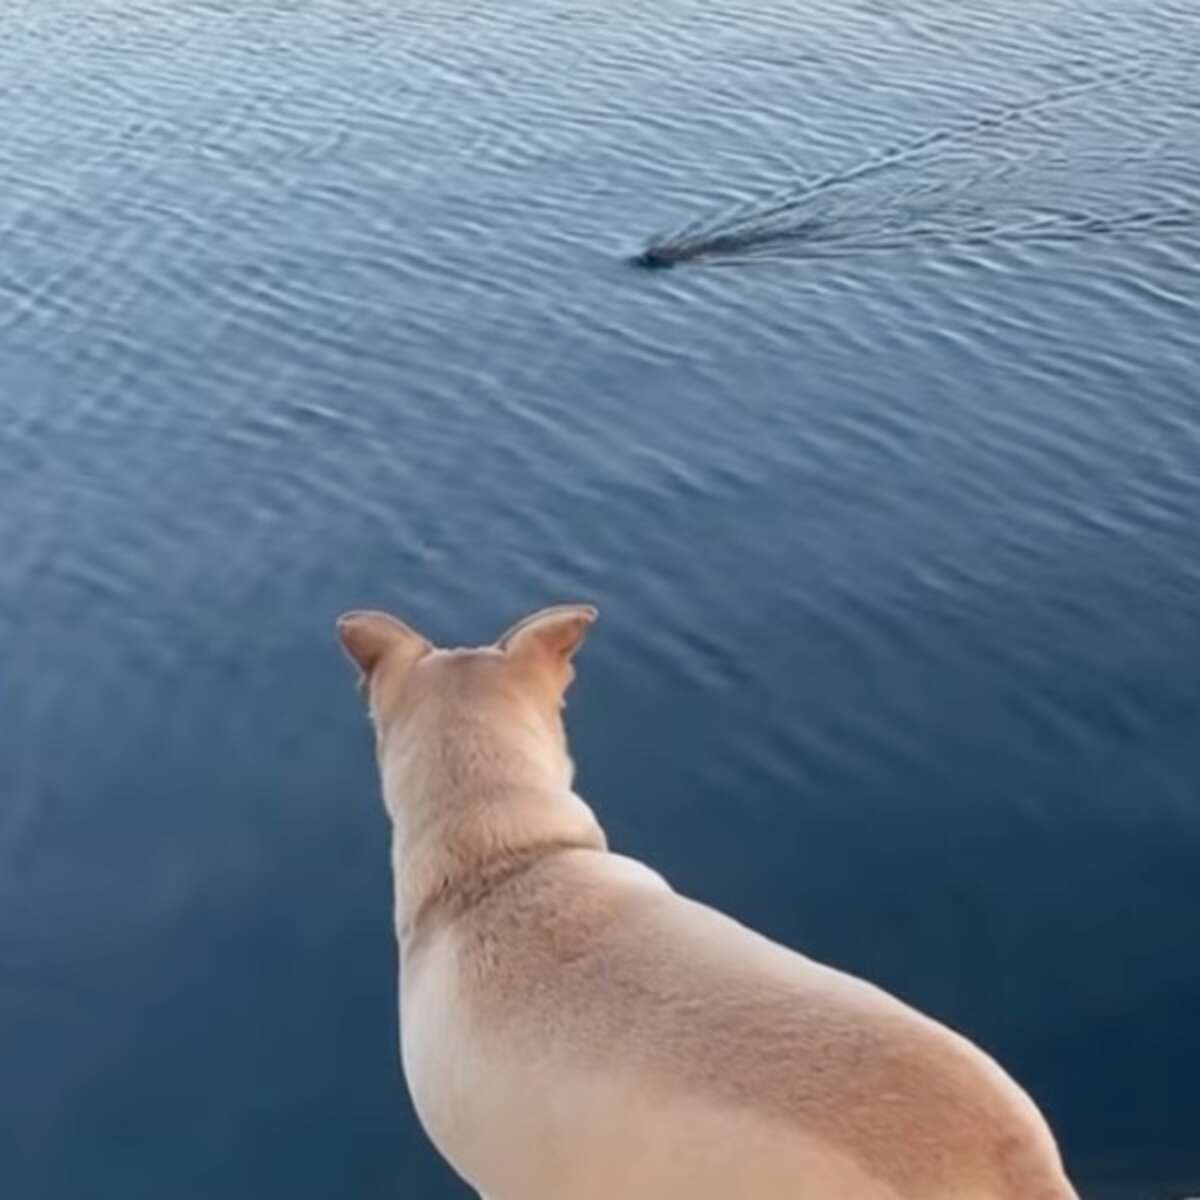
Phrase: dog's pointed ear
[549,637]
[370,637]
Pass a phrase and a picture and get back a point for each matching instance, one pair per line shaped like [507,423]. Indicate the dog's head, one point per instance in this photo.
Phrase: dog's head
[527,670]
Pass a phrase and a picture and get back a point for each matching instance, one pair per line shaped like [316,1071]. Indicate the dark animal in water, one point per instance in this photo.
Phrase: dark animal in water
[653,258]
[666,252]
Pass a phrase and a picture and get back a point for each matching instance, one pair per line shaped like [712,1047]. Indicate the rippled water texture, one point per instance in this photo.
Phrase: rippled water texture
[311,306]
[1050,168]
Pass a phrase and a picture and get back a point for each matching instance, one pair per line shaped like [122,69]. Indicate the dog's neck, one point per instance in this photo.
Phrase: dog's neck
[472,805]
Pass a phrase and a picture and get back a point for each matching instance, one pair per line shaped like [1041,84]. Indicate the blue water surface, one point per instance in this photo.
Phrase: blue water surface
[314,305]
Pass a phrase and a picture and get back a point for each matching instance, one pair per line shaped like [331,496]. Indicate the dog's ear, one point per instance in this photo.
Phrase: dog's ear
[370,637]
[550,637]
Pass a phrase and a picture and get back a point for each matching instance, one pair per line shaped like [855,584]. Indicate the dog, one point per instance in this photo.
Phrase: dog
[574,1029]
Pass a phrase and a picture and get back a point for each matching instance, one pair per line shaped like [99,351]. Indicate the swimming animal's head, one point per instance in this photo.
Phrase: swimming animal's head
[654,258]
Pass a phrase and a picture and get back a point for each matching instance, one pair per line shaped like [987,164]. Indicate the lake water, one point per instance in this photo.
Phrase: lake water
[889,500]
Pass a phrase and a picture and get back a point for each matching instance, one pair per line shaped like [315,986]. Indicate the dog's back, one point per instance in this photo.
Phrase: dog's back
[582,1031]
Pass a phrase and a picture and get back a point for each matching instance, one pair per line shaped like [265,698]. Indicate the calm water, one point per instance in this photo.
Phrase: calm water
[306,306]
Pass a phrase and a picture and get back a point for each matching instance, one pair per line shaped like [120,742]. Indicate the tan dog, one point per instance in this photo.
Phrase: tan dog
[573,1029]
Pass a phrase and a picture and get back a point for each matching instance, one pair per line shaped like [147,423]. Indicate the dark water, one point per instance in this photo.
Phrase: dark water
[306,306]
